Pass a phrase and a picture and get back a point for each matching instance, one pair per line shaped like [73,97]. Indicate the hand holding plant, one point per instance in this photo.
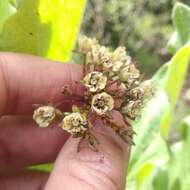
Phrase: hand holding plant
[30,145]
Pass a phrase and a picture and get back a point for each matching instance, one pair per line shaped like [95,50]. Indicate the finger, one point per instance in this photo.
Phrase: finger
[86,169]
[26,80]
[22,143]
[22,180]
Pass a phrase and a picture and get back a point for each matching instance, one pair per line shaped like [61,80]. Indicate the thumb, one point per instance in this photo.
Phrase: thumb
[86,169]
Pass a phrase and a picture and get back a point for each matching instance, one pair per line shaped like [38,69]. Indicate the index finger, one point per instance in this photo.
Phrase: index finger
[26,80]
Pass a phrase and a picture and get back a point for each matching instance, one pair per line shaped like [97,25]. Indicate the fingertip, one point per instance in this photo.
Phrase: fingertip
[105,168]
[29,80]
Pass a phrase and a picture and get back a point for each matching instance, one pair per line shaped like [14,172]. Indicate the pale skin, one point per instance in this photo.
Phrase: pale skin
[27,80]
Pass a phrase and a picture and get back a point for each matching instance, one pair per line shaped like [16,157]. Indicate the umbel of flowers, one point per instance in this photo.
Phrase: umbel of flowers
[112,84]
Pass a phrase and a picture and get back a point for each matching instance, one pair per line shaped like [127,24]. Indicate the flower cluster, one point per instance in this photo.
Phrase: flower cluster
[112,83]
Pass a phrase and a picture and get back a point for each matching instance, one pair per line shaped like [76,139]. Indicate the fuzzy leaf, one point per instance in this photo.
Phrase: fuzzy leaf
[159,110]
[181,21]
[174,83]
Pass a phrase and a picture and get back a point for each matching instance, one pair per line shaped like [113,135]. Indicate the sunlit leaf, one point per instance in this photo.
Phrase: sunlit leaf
[46,28]
[7,8]
[173,84]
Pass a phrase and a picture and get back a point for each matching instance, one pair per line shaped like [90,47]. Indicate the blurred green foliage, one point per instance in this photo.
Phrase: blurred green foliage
[153,150]
[143,26]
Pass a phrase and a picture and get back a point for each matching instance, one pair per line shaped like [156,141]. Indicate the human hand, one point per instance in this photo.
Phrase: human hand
[25,81]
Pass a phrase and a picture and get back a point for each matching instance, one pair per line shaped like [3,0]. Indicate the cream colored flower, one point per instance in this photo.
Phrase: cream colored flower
[85,44]
[75,123]
[95,81]
[44,115]
[102,103]
[148,88]
[92,56]
[120,54]
[132,109]
[129,73]
[137,92]
[99,55]
[116,66]
[106,61]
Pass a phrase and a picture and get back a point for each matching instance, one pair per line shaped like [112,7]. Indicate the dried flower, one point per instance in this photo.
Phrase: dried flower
[129,73]
[132,109]
[119,54]
[95,81]
[116,66]
[44,115]
[148,88]
[111,82]
[106,61]
[102,103]
[92,57]
[98,55]
[137,93]
[85,44]
[75,123]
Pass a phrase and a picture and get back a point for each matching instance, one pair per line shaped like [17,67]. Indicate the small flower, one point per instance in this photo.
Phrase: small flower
[137,93]
[132,109]
[106,61]
[99,56]
[102,103]
[148,88]
[75,123]
[95,81]
[116,66]
[44,115]
[120,55]
[85,44]
[129,73]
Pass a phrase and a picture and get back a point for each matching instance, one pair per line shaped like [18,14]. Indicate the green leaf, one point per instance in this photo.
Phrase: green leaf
[176,74]
[173,84]
[46,28]
[150,146]
[145,171]
[156,154]
[148,126]
[181,21]
[161,179]
[185,127]
[7,8]
[178,165]
[143,174]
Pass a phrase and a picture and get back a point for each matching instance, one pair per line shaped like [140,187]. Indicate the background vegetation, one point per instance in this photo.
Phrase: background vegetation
[157,35]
